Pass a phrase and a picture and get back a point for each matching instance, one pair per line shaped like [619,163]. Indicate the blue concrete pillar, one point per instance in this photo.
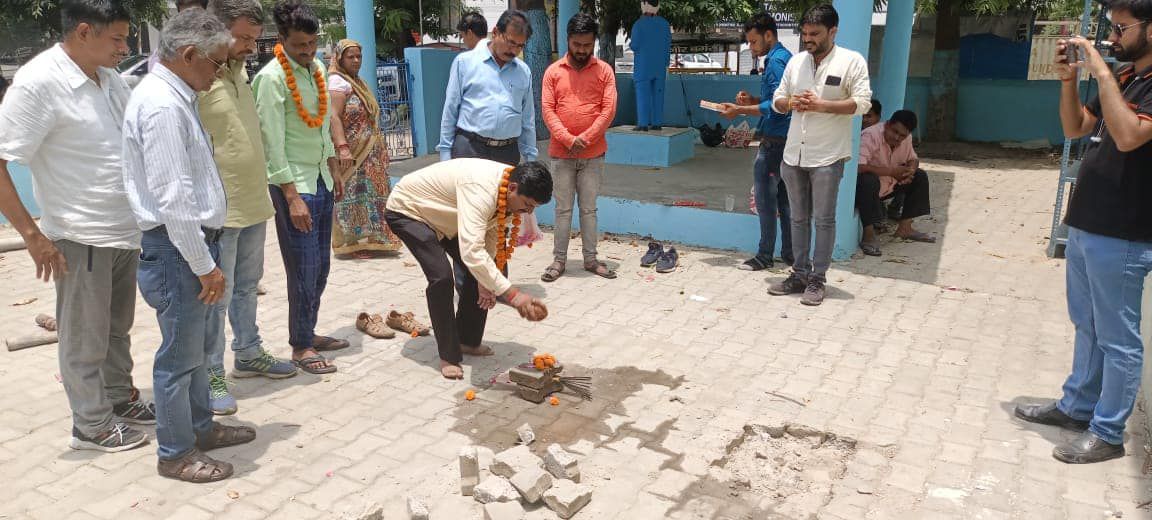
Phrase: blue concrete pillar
[854,33]
[892,80]
[361,22]
[565,10]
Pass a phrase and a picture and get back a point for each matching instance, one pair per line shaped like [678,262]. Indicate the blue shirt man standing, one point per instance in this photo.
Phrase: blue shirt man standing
[769,191]
[488,107]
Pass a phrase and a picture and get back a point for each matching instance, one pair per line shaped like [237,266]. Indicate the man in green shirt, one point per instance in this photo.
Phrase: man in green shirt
[293,107]
[228,113]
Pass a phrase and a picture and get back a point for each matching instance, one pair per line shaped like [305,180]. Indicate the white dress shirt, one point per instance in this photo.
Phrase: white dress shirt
[169,171]
[818,139]
[67,129]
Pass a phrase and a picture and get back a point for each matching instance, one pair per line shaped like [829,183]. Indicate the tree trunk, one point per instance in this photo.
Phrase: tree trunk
[942,88]
[538,56]
[610,28]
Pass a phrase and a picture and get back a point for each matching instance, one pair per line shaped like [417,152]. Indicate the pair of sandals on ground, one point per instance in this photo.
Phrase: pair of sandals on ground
[373,325]
[872,248]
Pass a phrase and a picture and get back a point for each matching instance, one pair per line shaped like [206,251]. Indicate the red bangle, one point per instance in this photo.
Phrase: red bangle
[511,293]
[343,146]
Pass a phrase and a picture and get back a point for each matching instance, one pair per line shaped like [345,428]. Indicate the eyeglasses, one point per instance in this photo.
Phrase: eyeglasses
[514,45]
[1119,29]
[219,66]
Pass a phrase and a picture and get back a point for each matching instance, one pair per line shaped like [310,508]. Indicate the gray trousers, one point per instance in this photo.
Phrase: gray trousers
[572,178]
[95,306]
[812,197]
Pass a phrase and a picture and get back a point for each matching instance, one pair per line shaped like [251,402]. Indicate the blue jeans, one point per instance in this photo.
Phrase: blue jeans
[1105,286]
[812,196]
[771,197]
[242,261]
[180,372]
[307,259]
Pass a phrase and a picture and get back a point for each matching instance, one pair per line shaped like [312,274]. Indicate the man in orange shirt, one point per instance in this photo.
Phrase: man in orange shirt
[578,102]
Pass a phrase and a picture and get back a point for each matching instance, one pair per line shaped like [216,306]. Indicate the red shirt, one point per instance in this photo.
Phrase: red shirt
[578,103]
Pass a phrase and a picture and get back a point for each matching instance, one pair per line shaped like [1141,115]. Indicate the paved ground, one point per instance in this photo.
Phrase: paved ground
[917,358]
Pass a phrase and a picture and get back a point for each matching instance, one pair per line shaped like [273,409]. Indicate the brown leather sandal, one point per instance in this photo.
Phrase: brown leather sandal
[195,467]
[373,325]
[600,269]
[223,436]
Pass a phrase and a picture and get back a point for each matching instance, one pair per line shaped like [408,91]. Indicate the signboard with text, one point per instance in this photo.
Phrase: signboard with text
[1040,60]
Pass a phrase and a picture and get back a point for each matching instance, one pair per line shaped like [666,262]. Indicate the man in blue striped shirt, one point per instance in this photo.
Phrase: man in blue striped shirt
[768,188]
[488,107]
[178,199]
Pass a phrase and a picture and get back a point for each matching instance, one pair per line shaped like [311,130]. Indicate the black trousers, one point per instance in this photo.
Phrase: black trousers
[464,325]
[465,147]
[915,195]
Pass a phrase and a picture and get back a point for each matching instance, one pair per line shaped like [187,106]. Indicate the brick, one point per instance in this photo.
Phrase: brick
[503,511]
[532,483]
[561,464]
[469,469]
[514,460]
[567,498]
[416,508]
[495,489]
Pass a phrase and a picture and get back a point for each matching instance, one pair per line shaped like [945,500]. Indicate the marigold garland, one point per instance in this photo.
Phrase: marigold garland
[312,121]
[505,242]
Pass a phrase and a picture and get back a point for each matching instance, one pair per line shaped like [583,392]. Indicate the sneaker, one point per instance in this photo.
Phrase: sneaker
[794,284]
[654,251]
[219,398]
[266,365]
[135,411]
[117,438]
[755,264]
[668,261]
[813,294]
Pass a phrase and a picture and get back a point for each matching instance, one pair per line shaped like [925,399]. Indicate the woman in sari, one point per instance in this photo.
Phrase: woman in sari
[360,228]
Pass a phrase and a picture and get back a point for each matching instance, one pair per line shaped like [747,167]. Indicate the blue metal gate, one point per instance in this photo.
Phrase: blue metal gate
[393,88]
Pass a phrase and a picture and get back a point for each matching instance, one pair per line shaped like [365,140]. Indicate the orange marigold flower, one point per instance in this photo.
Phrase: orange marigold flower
[554,401]
[470,395]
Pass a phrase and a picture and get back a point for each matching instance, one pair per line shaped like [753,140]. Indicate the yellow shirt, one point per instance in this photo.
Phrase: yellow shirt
[228,113]
[457,199]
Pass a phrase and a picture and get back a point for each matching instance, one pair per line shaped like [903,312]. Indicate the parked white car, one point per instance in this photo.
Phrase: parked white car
[133,69]
[695,61]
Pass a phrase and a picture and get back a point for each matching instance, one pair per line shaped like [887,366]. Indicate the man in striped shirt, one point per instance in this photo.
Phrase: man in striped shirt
[176,194]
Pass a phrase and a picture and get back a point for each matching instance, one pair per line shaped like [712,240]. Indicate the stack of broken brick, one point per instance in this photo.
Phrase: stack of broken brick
[501,481]
[533,384]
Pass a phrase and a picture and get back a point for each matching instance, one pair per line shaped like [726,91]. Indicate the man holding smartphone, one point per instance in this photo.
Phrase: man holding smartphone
[1109,250]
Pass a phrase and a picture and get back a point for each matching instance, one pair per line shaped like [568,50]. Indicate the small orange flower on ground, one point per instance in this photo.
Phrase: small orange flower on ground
[415,333]
[543,361]
[470,395]
[554,401]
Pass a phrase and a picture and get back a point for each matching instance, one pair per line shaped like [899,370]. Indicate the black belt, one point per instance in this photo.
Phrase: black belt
[487,141]
[211,236]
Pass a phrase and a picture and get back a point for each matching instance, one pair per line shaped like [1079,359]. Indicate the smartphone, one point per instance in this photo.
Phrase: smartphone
[1072,53]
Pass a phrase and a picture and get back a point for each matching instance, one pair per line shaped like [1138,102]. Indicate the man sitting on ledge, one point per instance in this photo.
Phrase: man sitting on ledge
[889,166]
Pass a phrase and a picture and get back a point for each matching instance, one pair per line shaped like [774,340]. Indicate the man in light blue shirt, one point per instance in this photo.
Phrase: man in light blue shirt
[488,110]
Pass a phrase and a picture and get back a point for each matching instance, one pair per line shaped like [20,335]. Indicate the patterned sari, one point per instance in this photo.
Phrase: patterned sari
[360,225]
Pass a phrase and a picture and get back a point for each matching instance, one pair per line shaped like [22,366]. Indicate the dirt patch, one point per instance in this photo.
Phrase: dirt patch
[769,473]
[491,420]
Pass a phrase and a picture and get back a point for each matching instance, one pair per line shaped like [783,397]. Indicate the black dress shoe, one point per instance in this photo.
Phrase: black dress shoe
[1050,415]
[1087,448]
[641,129]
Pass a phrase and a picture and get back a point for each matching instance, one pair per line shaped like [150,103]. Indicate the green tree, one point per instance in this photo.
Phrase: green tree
[692,16]
[396,20]
[45,14]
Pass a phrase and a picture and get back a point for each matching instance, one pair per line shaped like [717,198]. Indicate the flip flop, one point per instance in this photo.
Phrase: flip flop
[870,248]
[306,365]
[919,236]
[327,344]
